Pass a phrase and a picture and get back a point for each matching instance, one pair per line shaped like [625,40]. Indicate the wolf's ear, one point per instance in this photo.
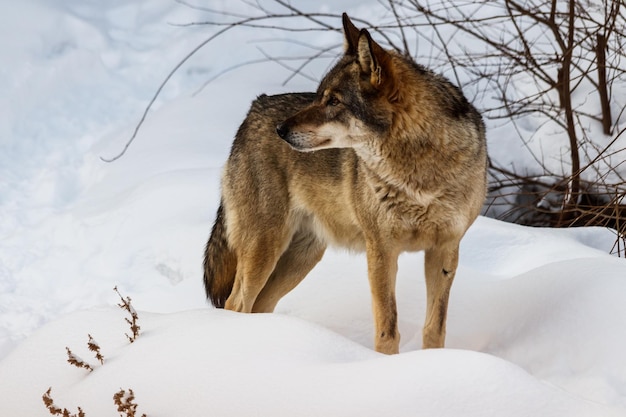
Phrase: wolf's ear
[373,59]
[351,35]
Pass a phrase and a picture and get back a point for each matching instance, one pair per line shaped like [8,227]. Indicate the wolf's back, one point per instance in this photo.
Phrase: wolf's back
[220,263]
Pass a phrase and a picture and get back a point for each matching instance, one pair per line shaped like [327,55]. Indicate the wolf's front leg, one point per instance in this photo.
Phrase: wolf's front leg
[440,265]
[382,268]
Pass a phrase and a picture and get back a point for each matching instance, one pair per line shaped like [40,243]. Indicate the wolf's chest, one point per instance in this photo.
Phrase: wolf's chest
[398,220]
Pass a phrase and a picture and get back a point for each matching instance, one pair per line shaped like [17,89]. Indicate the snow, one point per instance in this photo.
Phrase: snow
[536,316]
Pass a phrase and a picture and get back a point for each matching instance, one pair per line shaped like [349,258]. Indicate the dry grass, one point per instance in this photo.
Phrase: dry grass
[57,411]
[125,401]
[132,322]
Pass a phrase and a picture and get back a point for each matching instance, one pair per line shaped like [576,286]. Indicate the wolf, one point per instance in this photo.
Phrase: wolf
[385,157]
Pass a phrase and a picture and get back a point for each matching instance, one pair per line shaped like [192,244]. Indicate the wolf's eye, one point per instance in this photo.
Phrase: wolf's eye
[332,101]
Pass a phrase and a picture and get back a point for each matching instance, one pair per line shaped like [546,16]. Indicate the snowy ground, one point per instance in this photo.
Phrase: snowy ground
[536,323]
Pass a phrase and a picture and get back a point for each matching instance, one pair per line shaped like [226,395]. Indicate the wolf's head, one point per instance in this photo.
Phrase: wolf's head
[355,100]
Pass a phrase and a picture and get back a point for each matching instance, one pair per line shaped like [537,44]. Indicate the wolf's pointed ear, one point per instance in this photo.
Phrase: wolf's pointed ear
[351,35]
[373,59]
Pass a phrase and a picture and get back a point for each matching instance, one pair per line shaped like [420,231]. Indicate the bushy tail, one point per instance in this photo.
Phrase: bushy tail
[220,263]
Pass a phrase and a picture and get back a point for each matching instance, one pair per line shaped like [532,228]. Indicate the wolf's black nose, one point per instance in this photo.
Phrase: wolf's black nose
[281,129]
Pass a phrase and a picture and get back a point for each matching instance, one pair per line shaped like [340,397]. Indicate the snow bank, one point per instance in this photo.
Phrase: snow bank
[220,363]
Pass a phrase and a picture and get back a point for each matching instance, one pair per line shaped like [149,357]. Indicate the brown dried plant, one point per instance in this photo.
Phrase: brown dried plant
[56,411]
[132,322]
[125,404]
[77,360]
[95,347]
[123,400]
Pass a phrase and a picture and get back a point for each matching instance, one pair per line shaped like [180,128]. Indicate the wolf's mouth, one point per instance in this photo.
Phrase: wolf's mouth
[308,147]
[324,143]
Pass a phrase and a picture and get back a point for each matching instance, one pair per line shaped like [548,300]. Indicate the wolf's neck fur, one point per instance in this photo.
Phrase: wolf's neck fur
[403,159]
[405,170]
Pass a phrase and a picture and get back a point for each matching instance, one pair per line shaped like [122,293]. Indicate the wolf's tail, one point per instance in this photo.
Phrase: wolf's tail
[220,263]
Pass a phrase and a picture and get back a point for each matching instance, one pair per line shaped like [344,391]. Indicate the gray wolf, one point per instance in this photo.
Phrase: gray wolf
[385,157]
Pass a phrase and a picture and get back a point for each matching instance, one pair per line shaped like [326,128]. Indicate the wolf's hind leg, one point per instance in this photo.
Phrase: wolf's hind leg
[440,265]
[256,259]
[303,253]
